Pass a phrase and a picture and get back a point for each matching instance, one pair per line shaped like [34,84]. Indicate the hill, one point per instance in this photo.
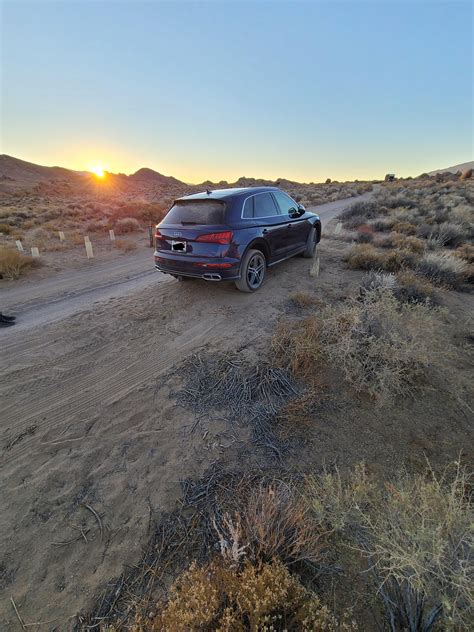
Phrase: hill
[464,166]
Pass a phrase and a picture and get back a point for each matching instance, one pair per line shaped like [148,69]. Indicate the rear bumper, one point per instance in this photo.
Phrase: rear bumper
[198,268]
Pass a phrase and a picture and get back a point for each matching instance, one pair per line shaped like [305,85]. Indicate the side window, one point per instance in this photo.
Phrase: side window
[284,202]
[248,207]
[264,205]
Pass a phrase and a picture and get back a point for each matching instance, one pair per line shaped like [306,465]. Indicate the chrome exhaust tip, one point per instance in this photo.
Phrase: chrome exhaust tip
[212,277]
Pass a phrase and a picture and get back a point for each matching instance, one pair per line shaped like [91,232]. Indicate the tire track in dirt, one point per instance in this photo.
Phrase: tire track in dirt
[115,381]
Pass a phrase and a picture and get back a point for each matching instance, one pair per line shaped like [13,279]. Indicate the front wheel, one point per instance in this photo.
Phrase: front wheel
[311,245]
[252,271]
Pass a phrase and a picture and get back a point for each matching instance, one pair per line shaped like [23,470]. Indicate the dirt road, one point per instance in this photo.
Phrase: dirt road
[66,293]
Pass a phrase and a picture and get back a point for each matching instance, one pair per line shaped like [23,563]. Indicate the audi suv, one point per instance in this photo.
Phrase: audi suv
[234,235]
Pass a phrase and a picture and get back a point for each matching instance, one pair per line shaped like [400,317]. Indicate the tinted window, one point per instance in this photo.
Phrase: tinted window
[196,212]
[264,206]
[284,202]
[248,207]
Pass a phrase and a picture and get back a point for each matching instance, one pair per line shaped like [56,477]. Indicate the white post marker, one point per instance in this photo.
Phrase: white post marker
[86,239]
[89,251]
[112,235]
[62,236]
[338,228]
[314,272]
[19,245]
[35,252]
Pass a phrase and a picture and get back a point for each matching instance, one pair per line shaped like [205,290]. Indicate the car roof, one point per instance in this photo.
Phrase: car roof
[226,194]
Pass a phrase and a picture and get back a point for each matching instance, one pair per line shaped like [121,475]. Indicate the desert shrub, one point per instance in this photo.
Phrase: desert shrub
[447,234]
[126,225]
[353,221]
[383,223]
[255,597]
[360,210]
[96,226]
[366,257]
[462,214]
[378,281]
[466,252]
[302,299]
[410,288]
[12,263]
[381,347]
[38,237]
[416,534]
[404,227]
[413,244]
[6,229]
[443,268]
[365,234]
[274,521]
[466,174]
[126,246]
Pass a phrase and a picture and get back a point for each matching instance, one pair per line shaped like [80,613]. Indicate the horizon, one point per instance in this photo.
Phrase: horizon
[353,96]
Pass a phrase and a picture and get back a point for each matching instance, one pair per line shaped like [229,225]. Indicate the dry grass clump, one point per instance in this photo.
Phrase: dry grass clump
[216,597]
[381,347]
[404,227]
[126,225]
[410,288]
[443,268]
[6,229]
[126,246]
[13,264]
[303,299]
[367,257]
[416,533]
[466,252]
[413,244]
[275,521]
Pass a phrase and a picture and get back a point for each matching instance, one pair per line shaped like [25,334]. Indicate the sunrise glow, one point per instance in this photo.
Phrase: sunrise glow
[98,171]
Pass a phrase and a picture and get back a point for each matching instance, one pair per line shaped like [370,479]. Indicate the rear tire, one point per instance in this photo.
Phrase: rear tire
[311,246]
[252,271]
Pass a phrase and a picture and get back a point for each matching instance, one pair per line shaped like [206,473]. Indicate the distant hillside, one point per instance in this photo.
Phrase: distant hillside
[454,169]
[18,177]
[21,174]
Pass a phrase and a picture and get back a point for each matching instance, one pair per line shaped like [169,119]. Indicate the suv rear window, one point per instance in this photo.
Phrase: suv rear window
[196,212]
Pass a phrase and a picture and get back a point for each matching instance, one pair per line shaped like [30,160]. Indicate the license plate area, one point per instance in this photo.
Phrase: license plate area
[178,246]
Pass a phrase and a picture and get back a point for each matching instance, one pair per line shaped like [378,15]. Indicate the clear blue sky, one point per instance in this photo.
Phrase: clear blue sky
[303,90]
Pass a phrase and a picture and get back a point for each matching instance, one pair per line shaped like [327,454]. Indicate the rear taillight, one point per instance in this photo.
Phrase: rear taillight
[214,265]
[216,238]
[158,235]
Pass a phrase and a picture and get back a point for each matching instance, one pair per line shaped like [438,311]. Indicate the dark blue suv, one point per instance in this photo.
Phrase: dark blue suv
[234,235]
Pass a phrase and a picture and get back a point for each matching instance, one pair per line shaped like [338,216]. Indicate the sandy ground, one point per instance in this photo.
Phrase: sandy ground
[92,444]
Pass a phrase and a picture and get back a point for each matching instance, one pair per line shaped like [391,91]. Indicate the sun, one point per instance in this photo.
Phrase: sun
[98,171]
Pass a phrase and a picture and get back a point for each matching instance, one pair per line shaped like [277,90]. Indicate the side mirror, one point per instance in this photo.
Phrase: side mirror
[297,212]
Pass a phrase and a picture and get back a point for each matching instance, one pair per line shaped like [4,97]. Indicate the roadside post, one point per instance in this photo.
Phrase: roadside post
[111,235]
[314,271]
[35,252]
[88,245]
[19,245]
[62,236]
[151,235]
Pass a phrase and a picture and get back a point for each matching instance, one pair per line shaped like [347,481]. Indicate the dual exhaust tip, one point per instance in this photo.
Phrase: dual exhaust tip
[207,276]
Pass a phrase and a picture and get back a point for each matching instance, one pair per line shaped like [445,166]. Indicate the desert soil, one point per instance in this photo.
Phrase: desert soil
[93,443]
